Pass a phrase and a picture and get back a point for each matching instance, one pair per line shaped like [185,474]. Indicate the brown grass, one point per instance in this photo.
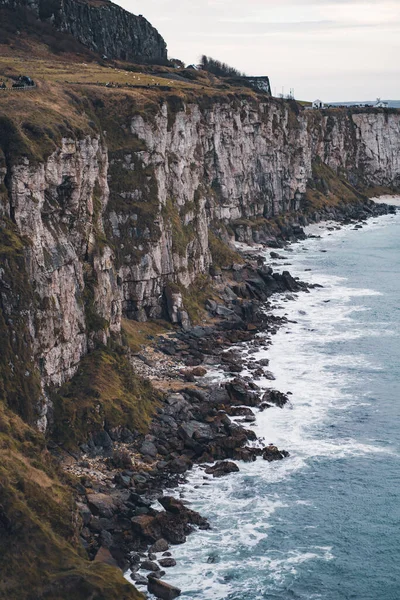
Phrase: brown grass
[138,335]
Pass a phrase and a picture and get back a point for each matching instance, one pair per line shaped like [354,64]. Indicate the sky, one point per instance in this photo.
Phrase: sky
[334,50]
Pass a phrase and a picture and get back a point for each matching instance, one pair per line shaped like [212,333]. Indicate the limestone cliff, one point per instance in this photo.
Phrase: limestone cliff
[105,226]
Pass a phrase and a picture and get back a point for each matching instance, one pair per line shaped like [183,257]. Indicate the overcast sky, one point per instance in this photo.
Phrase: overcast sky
[328,49]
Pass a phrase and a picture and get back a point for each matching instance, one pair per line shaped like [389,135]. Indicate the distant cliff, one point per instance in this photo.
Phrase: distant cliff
[101,26]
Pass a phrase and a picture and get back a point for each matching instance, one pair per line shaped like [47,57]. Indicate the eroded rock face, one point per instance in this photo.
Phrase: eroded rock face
[57,207]
[107,232]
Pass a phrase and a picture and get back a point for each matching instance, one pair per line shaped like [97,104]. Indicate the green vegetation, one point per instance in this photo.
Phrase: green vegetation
[195,296]
[40,555]
[137,335]
[104,393]
[181,234]
[328,188]
[19,380]
[222,254]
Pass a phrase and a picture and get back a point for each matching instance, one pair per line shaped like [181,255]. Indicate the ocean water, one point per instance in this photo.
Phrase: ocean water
[324,523]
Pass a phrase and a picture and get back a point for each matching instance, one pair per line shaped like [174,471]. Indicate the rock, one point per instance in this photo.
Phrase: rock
[211,305]
[147,527]
[196,430]
[199,372]
[222,468]
[103,440]
[163,590]
[223,311]
[84,512]
[180,465]
[101,504]
[148,448]
[139,579]
[167,562]
[272,453]
[172,505]
[160,545]
[148,565]
[156,574]
[274,397]
[240,411]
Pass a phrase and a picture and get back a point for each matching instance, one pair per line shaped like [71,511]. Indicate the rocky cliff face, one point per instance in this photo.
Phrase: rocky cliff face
[105,231]
[101,26]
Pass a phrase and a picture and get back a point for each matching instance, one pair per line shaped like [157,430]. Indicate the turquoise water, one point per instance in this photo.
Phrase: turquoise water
[325,523]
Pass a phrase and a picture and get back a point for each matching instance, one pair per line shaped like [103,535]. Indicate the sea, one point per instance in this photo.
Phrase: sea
[325,522]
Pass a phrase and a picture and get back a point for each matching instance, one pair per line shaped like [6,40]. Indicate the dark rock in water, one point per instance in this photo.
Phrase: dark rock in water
[239,392]
[180,465]
[272,453]
[172,505]
[240,411]
[274,397]
[156,574]
[167,562]
[276,256]
[161,545]
[148,565]
[264,362]
[222,468]
[163,590]
[139,579]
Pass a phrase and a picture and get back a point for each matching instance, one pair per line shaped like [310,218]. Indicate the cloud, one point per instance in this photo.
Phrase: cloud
[332,49]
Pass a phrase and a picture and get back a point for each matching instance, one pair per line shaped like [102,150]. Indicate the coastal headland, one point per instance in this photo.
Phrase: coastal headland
[133,198]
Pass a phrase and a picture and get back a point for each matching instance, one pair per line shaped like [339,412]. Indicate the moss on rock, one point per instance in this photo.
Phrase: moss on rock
[105,392]
[40,555]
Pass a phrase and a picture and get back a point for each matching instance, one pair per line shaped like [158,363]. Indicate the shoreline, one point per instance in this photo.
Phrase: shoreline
[197,430]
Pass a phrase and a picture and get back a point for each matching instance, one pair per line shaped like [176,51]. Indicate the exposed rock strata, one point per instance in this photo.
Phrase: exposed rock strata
[107,232]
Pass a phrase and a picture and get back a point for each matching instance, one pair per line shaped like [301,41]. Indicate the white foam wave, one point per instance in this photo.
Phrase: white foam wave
[241,506]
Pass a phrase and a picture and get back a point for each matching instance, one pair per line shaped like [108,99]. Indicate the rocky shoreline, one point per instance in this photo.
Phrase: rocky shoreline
[127,519]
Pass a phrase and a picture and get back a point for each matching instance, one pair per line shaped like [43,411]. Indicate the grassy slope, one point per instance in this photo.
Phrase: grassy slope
[39,551]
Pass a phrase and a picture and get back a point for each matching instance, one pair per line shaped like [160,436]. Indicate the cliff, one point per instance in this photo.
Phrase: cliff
[107,223]
[101,26]
[112,204]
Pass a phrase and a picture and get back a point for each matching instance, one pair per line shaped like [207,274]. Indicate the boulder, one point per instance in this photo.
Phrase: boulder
[167,562]
[274,397]
[272,453]
[160,545]
[148,448]
[222,468]
[196,430]
[101,505]
[172,505]
[162,590]
[148,565]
